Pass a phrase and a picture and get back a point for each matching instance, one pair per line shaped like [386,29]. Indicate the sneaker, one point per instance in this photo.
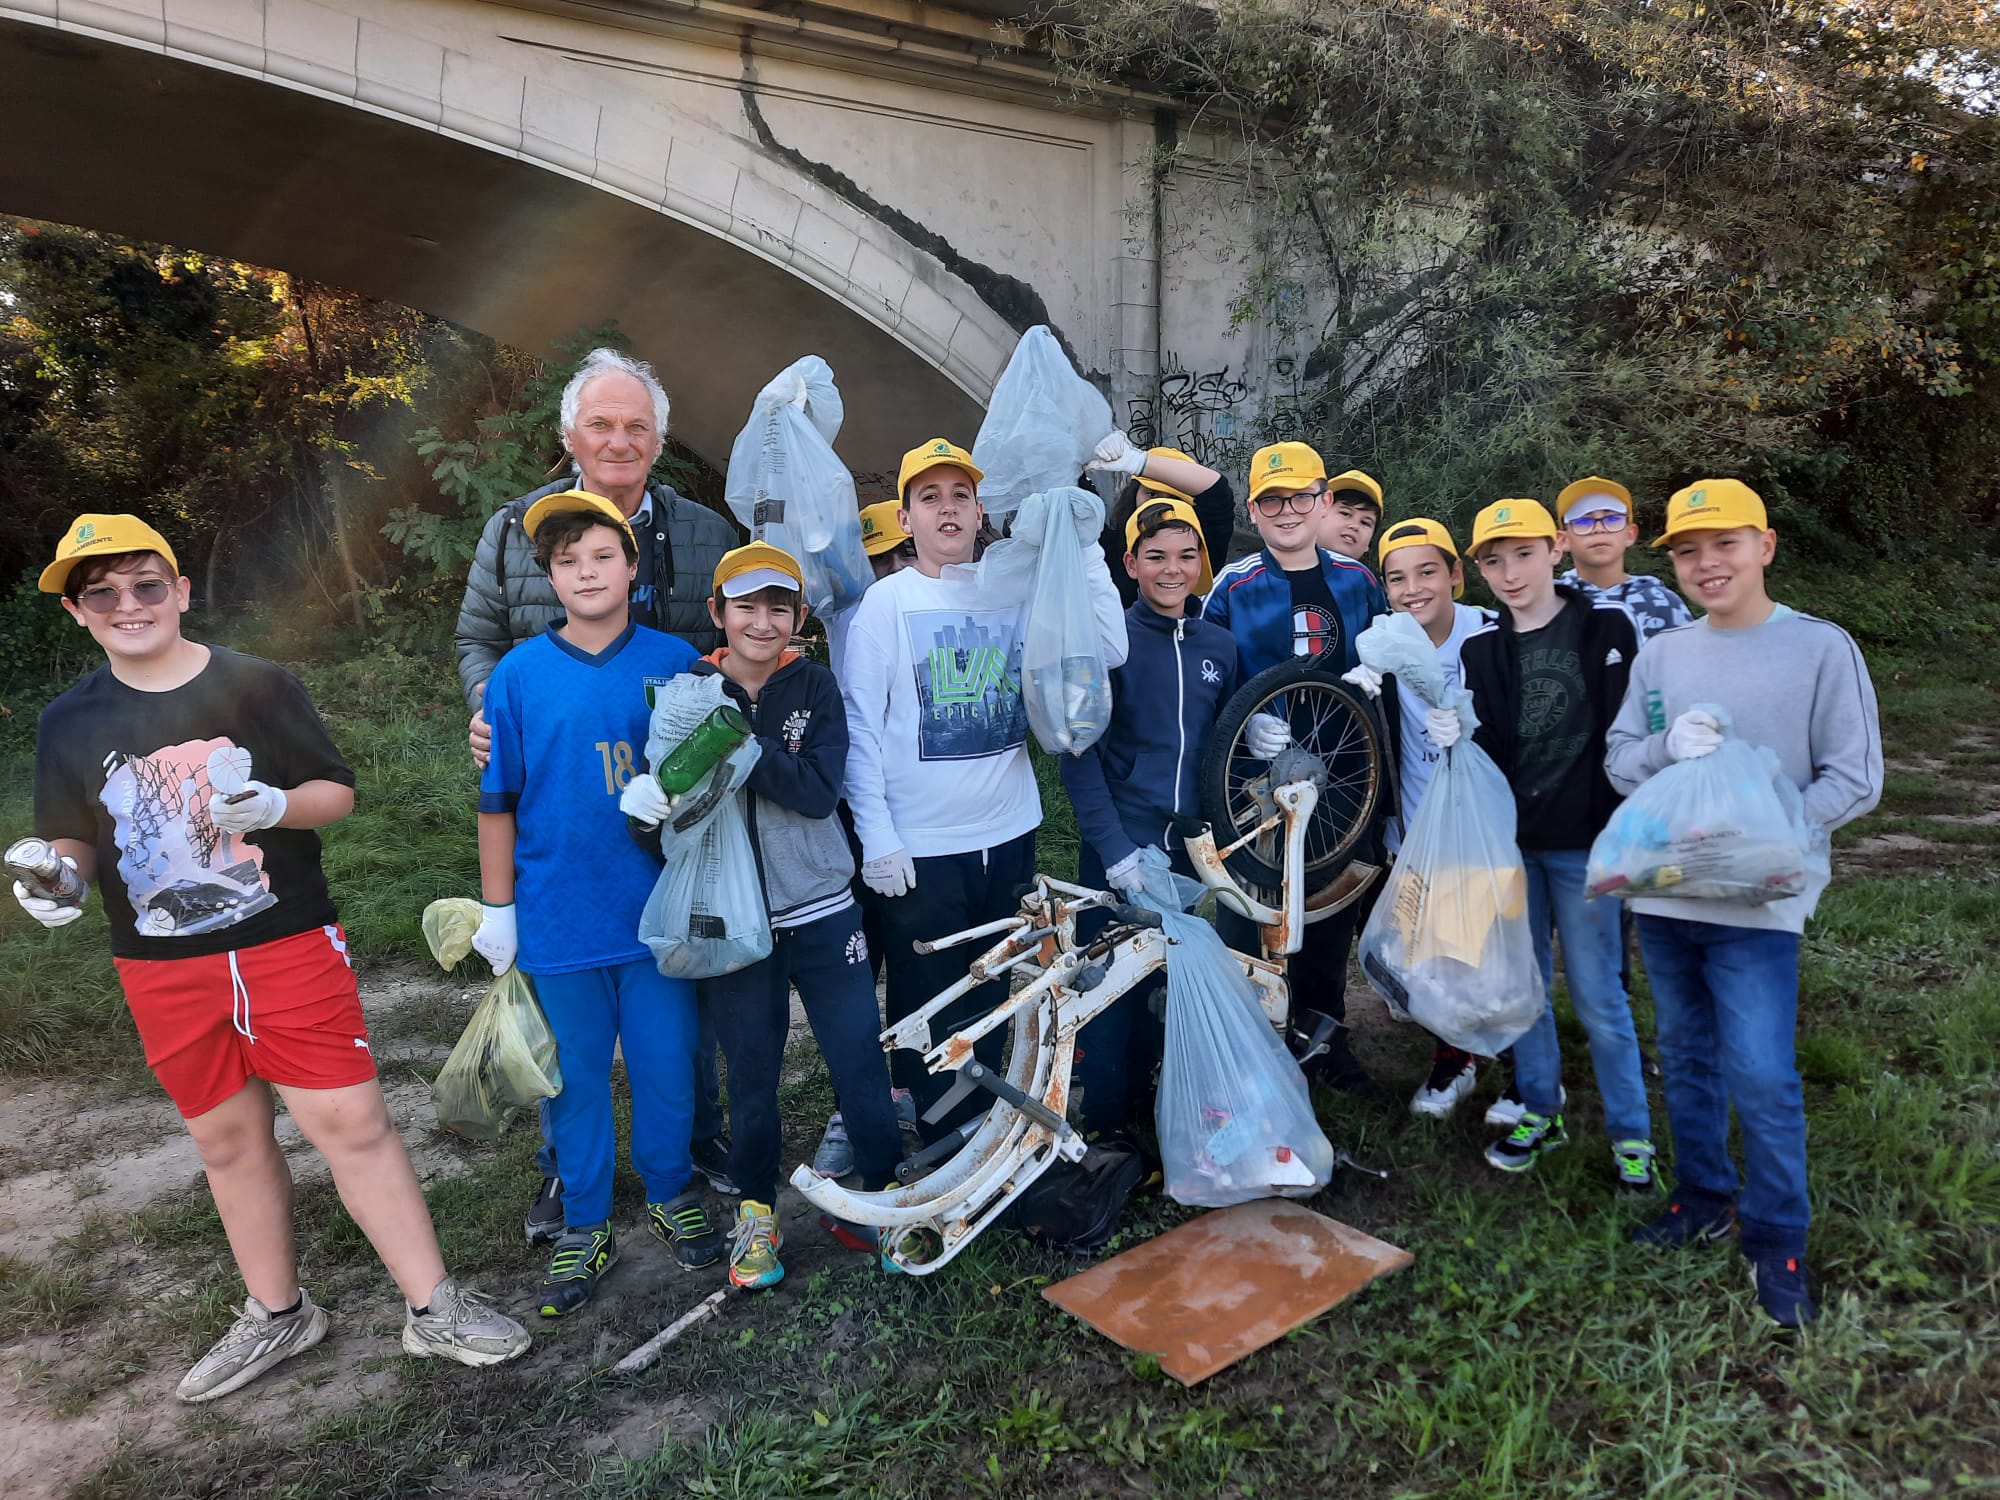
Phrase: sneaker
[1453,1075]
[459,1324]
[1516,1152]
[1634,1163]
[1340,1070]
[711,1159]
[753,1250]
[581,1259]
[1683,1224]
[684,1223]
[257,1340]
[920,1245]
[835,1156]
[906,1110]
[1505,1112]
[1784,1291]
[545,1217]
[851,1236]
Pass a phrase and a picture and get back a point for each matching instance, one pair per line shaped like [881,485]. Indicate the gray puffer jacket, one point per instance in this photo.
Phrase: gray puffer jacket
[508,598]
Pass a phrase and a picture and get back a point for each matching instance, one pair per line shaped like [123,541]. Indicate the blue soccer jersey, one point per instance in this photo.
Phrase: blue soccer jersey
[569,731]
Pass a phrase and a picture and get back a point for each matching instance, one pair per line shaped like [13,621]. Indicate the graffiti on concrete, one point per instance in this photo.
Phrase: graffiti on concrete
[1198,412]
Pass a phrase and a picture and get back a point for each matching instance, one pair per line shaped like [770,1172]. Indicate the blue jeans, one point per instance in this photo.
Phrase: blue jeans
[1726,1003]
[707,1100]
[651,1019]
[828,962]
[1592,949]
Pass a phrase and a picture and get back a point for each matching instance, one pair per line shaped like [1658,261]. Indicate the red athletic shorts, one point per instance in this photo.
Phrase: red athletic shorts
[287,1011]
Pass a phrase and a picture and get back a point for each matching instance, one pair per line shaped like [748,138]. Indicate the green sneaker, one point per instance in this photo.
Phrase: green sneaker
[1516,1152]
[684,1223]
[581,1259]
[1634,1163]
[753,1252]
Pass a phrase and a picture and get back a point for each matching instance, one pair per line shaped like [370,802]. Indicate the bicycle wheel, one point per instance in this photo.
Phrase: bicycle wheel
[1337,744]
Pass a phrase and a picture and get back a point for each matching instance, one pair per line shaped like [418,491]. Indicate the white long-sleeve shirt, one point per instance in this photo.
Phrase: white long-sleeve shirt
[937,759]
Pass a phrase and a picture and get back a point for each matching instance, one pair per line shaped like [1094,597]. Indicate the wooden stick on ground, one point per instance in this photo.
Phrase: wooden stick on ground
[648,1353]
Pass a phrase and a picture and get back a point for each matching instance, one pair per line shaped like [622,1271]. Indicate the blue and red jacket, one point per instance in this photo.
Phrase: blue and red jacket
[1252,600]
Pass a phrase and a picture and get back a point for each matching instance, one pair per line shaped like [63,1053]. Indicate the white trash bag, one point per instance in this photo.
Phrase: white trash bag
[1234,1116]
[1043,424]
[788,486]
[1448,944]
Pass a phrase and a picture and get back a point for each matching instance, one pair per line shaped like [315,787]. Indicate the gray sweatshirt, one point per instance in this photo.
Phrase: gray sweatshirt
[1795,683]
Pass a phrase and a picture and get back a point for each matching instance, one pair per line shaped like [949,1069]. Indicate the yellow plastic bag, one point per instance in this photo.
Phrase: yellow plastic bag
[502,1066]
[448,927]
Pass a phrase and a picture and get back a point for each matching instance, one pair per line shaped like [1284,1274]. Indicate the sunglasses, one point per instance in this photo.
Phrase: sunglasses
[146,593]
[1601,521]
[1302,502]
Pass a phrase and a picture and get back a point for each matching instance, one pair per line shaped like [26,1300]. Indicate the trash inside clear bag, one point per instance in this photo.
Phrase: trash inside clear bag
[680,706]
[706,913]
[1727,826]
[1043,424]
[789,488]
[503,1065]
[1448,944]
[1234,1116]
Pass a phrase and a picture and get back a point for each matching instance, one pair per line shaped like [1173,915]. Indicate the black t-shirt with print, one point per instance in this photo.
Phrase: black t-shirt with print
[1552,766]
[1315,616]
[127,772]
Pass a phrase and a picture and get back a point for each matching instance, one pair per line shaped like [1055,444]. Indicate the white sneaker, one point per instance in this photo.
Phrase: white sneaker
[1506,1111]
[461,1325]
[257,1340]
[1441,1092]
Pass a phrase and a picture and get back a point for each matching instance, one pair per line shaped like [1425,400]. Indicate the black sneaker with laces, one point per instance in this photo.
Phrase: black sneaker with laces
[1784,1290]
[1687,1223]
[711,1159]
[545,1217]
[581,1259]
[686,1224]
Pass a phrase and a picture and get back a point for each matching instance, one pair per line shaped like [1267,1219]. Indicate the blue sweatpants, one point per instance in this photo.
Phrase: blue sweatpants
[633,1007]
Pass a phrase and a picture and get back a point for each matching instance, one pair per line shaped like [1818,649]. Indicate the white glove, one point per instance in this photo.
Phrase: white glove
[1441,727]
[498,939]
[1693,735]
[1127,877]
[1366,678]
[646,801]
[891,875]
[1117,455]
[51,914]
[1266,735]
[261,807]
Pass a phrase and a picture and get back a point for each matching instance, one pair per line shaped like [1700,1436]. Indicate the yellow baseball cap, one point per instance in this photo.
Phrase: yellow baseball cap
[1167,508]
[1592,493]
[1284,466]
[575,500]
[1713,505]
[1511,518]
[95,534]
[880,531]
[931,455]
[754,566]
[1420,532]
[1354,479]
[1166,489]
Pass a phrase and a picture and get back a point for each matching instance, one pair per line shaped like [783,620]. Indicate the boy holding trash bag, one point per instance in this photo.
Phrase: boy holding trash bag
[938,774]
[1132,786]
[188,781]
[1292,597]
[1546,678]
[567,708]
[1725,974]
[805,871]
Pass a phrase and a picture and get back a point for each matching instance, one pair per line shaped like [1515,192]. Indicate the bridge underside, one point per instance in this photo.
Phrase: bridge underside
[117,139]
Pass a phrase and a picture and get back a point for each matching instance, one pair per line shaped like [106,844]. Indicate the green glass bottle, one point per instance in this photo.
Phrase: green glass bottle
[694,757]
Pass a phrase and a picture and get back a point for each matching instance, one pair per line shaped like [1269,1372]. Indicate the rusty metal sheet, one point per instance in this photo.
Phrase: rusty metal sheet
[1202,1296]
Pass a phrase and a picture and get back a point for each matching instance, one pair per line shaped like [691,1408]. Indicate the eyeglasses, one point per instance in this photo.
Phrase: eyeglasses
[146,593]
[1303,501]
[1603,520]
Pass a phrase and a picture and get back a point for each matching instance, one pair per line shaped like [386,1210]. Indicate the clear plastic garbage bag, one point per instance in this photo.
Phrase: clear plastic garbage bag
[1234,1115]
[1448,944]
[1728,826]
[680,705]
[1396,646]
[502,1066]
[1043,424]
[449,924]
[788,486]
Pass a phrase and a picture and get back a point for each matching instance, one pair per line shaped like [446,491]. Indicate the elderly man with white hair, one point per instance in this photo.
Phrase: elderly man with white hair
[614,420]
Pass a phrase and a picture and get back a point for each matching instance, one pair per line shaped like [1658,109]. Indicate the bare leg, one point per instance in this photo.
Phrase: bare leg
[252,1185]
[350,1127]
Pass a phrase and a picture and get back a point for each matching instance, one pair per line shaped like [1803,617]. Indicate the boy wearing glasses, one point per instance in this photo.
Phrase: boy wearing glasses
[1597,531]
[187,782]
[1292,597]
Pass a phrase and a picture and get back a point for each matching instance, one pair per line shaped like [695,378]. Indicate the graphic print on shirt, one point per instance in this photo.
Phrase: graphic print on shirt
[968,684]
[1315,630]
[182,874]
[793,732]
[1554,730]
